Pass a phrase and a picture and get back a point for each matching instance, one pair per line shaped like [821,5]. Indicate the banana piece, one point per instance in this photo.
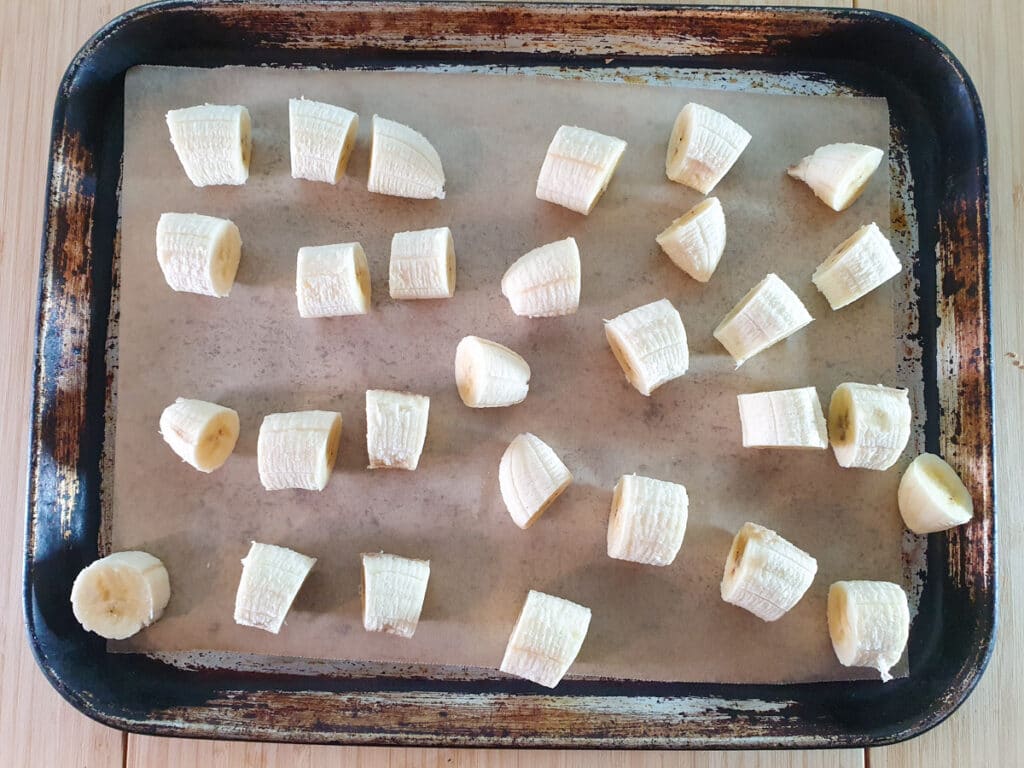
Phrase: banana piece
[765,574]
[858,265]
[696,240]
[198,254]
[422,265]
[703,147]
[119,594]
[648,520]
[298,449]
[932,497]
[650,344]
[869,623]
[766,315]
[546,639]
[213,143]
[321,138]
[531,477]
[202,434]
[838,173]
[787,418]
[332,280]
[868,426]
[490,375]
[393,592]
[545,282]
[271,578]
[403,163]
[578,167]
[396,428]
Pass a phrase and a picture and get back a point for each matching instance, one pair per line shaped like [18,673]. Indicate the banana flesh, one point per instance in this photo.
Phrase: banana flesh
[332,280]
[787,418]
[648,520]
[396,428]
[869,623]
[213,143]
[198,254]
[765,316]
[321,138]
[403,163]
[489,374]
[696,240]
[422,265]
[650,344]
[838,173]
[578,167]
[857,266]
[393,591]
[932,497]
[271,578]
[545,282]
[546,639]
[531,477]
[202,434]
[120,594]
[868,426]
[704,145]
[298,449]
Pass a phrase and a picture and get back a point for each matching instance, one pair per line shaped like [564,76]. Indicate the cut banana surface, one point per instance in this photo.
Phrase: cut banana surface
[704,145]
[393,592]
[271,578]
[396,428]
[838,173]
[490,375]
[403,163]
[787,418]
[696,240]
[932,497]
[120,594]
[202,434]
[545,282]
[531,477]
[868,425]
[321,138]
[213,143]
[298,449]
[332,280]
[648,520]
[198,254]
[650,344]
[765,316]
[422,265]
[546,639]
[869,622]
[765,574]
[578,168]
[858,265]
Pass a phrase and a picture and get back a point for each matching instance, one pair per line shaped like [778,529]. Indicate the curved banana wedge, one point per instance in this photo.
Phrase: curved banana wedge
[403,163]
[647,521]
[393,591]
[932,497]
[765,316]
[213,143]
[332,280]
[696,240]
[546,639]
[578,167]
[650,344]
[545,282]
[202,434]
[704,145]
[321,138]
[489,374]
[858,265]
[396,428]
[298,449]
[786,418]
[271,578]
[869,623]
[868,426]
[422,265]
[838,173]
[120,594]
[198,254]
[531,477]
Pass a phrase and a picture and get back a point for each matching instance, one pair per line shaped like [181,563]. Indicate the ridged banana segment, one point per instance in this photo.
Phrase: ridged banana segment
[765,316]
[298,449]
[932,497]
[838,173]
[765,574]
[546,639]
[213,143]
[696,240]
[332,280]
[119,594]
[531,477]
[321,138]
[198,254]
[403,163]
[271,578]
[489,374]
[396,428]
[869,623]
[650,344]
[858,265]
[393,591]
[422,265]
[868,425]
[648,520]
[578,167]
[704,145]
[202,434]
[786,418]
[545,282]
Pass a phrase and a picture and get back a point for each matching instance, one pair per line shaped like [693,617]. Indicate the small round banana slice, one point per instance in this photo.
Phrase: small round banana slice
[932,497]
[202,434]
[869,622]
[703,146]
[489,374]
[868,425]
[119,594]
[531,477]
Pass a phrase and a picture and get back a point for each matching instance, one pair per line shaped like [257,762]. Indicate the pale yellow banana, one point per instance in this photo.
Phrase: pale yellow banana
[422,265]
[647,521]
[321,138]
[531,477]
[120,594]
[396,428]
[765,316]
[838,173]
[332,280]
[578,167]
[393,591]
[868,425]
[703,146]
[198,254]
[650,344]
[202,434]
[546,639]
[271,578]
[489,374]
[858,265]
[869,623]
[213,143]
[545,282]
[298,449]
[787,418]
[403,163]
[696,240]
[932,497]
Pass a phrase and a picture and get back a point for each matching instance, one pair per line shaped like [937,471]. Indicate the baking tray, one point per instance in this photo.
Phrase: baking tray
[938,145]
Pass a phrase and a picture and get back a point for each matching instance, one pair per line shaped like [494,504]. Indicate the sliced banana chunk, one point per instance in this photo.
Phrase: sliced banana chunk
[321,138]
[869,623]
[868,425]
[578,167]
[422,265]
[765,316]
[120,594]
[489,374]
[786,418]
[650,344]
[704,145]
[838,173]
[202,434]
[403,163]
[648,520]
[198,254]
[298,449]
[393,591]
[332,280]
[531,477]
[271,578]
[545,282]
[765,574]
[858,265]
[932,497]
[696,240]
[396,428]
[546,639]
[213,143]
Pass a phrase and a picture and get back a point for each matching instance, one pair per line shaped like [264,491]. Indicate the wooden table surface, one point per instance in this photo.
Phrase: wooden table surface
[38,39]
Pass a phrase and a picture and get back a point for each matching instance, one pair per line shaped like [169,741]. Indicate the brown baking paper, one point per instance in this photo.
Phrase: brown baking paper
[254,353]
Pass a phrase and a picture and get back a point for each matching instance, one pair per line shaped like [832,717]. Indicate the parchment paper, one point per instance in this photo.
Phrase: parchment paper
[254,353]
